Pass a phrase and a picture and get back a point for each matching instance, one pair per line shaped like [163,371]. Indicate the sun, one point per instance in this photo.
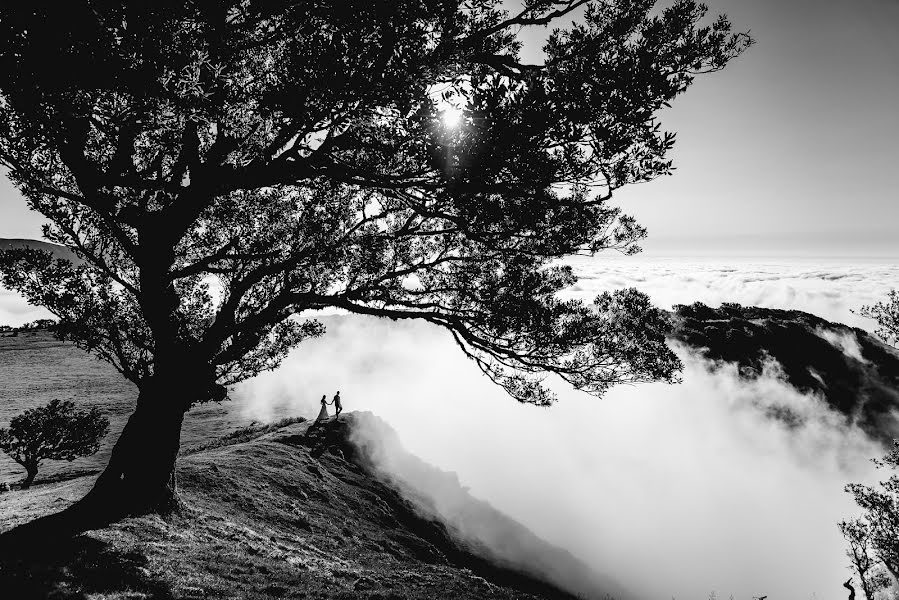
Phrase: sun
[452,116]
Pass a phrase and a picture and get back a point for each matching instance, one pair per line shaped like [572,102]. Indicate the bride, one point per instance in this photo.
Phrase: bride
[323,413]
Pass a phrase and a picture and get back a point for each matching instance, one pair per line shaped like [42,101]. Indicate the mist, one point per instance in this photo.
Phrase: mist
[675,491]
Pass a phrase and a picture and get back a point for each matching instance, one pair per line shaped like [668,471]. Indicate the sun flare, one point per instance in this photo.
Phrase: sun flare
[451,116]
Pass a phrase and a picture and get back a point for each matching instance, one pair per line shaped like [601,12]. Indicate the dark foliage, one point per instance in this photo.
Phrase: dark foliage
[865,388]
[869,570]
[886,314]
[56,431]
[877,531]
[55,249]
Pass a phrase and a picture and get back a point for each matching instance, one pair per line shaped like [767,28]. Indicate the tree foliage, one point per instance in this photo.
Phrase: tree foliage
[224,169]
[868,568]
[879,526]
[56,431]
[886,314]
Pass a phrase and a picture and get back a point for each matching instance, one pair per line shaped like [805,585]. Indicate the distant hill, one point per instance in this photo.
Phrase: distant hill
[57,250]
[285,512]
[855,372]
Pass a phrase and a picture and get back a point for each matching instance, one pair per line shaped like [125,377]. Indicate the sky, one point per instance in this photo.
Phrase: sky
[790,150]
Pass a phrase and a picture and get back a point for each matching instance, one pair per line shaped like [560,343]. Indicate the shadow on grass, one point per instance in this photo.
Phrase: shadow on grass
[56,478]
[78,569]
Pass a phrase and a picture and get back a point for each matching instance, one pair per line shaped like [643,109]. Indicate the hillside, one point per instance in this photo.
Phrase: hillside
[36,368]
[291,513]
[856,373]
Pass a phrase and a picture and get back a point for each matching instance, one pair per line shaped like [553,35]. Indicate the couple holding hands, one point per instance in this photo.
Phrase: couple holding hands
[323,414]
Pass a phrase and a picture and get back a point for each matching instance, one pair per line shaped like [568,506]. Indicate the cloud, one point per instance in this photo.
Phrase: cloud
[846,341]
[672,490]
[15,311]
[830,289]
[438,494]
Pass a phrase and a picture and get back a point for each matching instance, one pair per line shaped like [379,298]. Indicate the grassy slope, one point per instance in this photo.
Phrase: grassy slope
[36,368]
[281,515]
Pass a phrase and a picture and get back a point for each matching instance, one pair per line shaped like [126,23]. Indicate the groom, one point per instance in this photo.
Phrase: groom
[337,405]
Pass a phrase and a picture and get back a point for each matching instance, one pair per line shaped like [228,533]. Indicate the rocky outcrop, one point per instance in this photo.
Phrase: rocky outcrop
[855,372]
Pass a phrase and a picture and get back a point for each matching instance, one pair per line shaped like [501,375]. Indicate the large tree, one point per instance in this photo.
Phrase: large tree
[224,168]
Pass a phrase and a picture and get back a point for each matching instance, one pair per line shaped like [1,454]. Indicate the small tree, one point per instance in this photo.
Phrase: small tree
[56,431]
[887,316]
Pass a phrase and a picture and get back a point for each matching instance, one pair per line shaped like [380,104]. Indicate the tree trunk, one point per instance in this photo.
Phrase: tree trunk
[31,473]
[848,586]
[140,476]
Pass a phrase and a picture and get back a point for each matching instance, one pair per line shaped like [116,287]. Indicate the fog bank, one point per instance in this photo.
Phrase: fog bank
[675,491]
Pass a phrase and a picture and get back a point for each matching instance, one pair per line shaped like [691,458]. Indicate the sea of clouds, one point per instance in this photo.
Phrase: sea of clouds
[675,491]
[829,288]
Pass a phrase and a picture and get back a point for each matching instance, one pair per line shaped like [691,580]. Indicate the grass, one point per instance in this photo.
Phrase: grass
[36,368]
[242,434]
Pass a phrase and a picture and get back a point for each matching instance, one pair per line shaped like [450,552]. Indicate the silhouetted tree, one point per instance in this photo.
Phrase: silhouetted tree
[223,168]
[880,520]
[56,431]
[868,568]
[887,316]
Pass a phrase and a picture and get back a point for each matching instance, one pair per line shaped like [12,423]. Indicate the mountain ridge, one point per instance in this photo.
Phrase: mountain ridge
[856,373]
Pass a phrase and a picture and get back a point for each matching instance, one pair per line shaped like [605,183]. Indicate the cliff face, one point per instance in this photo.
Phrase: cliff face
[856,373]
[476,527]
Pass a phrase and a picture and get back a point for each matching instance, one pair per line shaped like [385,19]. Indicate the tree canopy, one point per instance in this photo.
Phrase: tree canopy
[224,167]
